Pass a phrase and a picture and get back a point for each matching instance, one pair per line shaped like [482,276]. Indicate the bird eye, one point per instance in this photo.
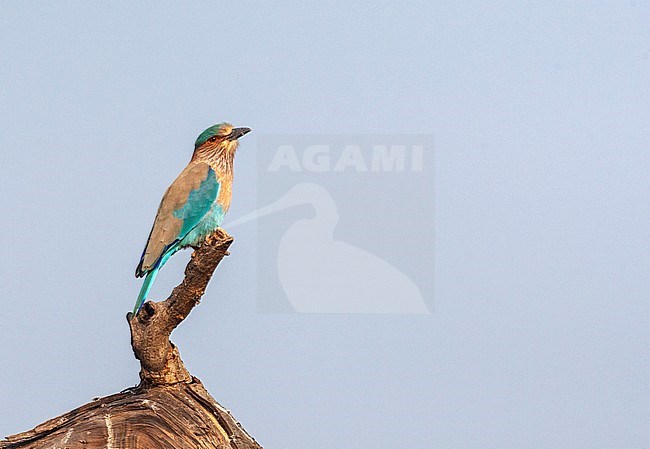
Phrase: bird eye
[213,139]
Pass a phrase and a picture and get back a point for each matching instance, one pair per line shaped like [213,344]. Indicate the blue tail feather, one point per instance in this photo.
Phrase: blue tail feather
[151,275]
[144,291]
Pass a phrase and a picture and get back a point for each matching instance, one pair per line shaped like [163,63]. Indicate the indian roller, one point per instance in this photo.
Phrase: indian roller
[194,205]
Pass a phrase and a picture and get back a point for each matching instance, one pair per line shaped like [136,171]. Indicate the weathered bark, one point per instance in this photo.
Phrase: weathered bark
[169,408]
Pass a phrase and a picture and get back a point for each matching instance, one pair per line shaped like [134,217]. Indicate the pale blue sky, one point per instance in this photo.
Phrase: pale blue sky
[539,336]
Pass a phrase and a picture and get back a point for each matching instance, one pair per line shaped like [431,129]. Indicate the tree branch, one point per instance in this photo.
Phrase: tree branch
[150,329]
[169,408]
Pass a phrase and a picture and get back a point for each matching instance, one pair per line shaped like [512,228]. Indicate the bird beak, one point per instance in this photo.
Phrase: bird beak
[236,133]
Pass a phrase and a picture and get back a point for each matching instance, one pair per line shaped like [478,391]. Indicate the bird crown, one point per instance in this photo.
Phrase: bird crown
[218,130]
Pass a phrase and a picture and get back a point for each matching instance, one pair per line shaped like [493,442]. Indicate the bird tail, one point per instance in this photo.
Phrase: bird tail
[144,291]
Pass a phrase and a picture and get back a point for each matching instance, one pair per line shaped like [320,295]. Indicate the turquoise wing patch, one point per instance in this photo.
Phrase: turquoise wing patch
[198,203]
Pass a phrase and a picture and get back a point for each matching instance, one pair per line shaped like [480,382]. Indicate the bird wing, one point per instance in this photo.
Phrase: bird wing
[183,206]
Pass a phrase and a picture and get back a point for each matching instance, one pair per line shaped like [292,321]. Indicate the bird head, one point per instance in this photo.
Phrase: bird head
[218,140]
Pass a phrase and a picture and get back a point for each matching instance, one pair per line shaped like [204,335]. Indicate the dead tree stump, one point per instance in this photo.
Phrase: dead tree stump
[169,408]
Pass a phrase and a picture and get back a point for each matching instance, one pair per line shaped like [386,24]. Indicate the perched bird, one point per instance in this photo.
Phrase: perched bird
[194,205]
